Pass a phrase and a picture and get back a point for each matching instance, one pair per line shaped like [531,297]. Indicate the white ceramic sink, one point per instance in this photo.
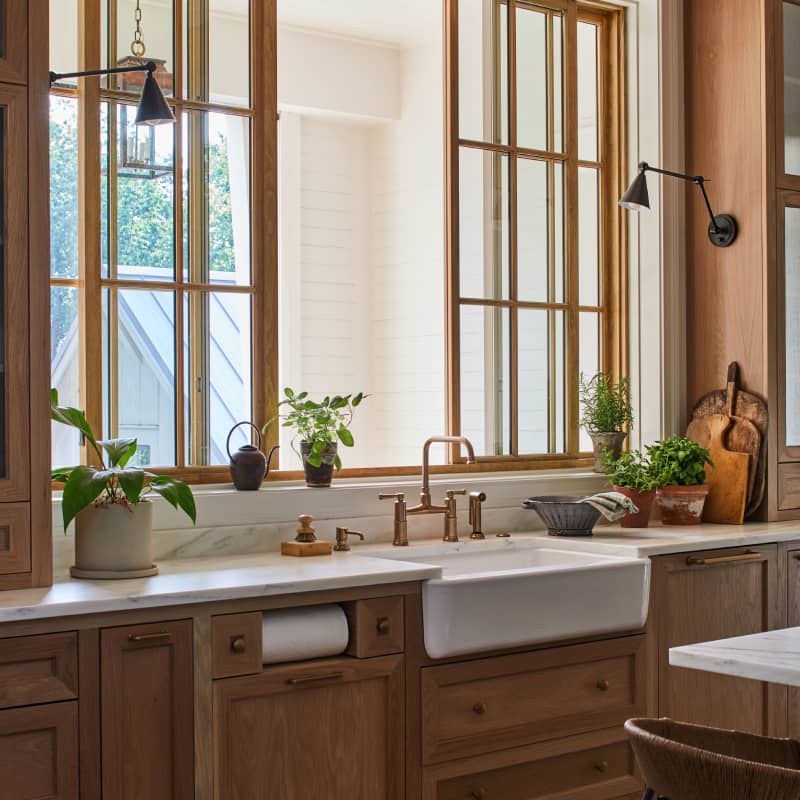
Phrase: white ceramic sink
[492,597]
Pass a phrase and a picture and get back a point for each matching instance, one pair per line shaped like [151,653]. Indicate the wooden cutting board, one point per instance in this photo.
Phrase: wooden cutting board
[729,478]
[744,406]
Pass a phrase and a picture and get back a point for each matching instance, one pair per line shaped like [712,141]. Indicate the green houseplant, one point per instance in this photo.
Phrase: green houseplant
[679,467]
[113,517]
[321,426]
[606,413]
[632,475]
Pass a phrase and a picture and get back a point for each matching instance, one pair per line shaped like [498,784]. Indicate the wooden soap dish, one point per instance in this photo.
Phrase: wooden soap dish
[306,542]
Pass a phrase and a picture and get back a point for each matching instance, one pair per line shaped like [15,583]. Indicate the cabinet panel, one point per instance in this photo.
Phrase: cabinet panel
[787,73]
[333,728]
[15,538]
[147,711]
[792,571]
[39,752]
[13,41]
[716,600]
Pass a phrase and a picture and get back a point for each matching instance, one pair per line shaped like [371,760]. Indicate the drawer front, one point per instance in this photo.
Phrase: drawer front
[599,773]
[508,701]
[15,538]
[788,487]
[236,643]
[376,627]
[38,669]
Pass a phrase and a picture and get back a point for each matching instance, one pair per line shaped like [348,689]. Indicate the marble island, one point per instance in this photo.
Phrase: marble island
[773,656]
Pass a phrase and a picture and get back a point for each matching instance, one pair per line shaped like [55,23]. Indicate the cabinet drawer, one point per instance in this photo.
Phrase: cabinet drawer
[588,772]
[15,538]
[376,627]
[788,486]
[38,669]
[236,643]
[492,704]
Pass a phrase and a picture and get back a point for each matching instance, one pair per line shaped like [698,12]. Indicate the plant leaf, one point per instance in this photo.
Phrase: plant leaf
[61,474]
[345,436]
[177,494]
[82,488]
[120,451]
[131,481]
[314,459]
[337,462]
[74,418]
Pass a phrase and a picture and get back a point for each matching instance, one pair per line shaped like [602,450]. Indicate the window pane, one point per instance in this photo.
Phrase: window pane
[217,346]
[588,81]
[541,381]
[64,370]
[589,236]
[64,37]
[483,70]
[229,52]
[540,226]
[483,224]
[139,371]
[486,379]
[63,187]
[589,358]
[139,217]
[791,88]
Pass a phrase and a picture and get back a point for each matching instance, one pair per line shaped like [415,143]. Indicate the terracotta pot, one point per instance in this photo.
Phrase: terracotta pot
[682,505]
[643,501]
[114,541]
[612,441]
[319,477]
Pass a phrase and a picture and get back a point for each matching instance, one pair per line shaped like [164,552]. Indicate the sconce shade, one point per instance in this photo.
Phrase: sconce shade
[153,108]
[636,198]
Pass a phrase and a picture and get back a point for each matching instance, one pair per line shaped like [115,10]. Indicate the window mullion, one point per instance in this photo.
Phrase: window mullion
[513,259]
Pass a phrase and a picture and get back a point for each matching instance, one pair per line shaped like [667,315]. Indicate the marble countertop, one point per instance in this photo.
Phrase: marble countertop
[208,580]
[773,656]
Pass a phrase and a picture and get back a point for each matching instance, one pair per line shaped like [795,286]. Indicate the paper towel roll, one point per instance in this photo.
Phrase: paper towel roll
[297,634]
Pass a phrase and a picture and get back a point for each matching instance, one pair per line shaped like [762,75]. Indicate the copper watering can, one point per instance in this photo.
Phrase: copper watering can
[249,466]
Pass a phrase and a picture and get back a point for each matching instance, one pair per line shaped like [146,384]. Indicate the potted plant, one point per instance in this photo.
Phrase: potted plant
[113,517]
[321,427]
[679,467]
[631,474]
[607,410]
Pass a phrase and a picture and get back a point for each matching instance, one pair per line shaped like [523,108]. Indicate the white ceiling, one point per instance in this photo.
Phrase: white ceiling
[403,23]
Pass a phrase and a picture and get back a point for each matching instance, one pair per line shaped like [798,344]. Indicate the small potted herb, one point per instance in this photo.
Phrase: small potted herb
[679,467]
[321,427]
[113,517]
[607,412]
[631,474]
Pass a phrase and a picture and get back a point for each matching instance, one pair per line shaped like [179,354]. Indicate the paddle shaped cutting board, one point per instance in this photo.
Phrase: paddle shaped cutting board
[729,479]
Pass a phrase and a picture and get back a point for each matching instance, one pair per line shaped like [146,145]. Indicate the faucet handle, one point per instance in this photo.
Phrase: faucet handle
[399,496]
[451,493]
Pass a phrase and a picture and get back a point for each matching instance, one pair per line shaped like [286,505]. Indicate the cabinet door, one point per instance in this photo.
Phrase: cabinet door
[147,714]
[39,752]
[330,729]
[700,597]
[14,40]
[787,74]
[792,571]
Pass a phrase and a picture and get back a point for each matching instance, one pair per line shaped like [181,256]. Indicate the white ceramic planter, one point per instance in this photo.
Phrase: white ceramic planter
[114,541]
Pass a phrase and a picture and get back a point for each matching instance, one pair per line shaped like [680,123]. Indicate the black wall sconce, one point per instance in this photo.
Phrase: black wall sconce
[153,108]
[722,229]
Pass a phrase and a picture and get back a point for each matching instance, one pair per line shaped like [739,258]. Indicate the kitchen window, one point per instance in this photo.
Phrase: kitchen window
[198,269]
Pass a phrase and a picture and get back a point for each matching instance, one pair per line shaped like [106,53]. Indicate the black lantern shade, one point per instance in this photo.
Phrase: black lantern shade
[153,107]
[636,198]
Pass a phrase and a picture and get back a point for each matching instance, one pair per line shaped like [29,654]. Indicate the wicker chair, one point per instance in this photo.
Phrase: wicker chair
[689,762]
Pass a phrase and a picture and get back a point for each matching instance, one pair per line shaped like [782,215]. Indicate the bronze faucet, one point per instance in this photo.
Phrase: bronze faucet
[449,508]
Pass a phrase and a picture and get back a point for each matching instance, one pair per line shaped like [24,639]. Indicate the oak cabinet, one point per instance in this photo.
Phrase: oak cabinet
[147,711]
[39,752]
[700,597]
[14,41]
[331,728]
[790,594]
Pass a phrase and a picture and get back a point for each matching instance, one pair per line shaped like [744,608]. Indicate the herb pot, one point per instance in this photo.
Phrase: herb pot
[248,465]
[612,441]
[114,541]
[682,505]
[319,477]
[643,501]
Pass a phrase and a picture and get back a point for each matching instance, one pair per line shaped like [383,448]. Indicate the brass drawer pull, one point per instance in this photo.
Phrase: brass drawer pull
[603,685]
[478,794]
[750,555]
[138,638]
[384,625]
[479,708]
[238,644]
[601,766]
[328,676]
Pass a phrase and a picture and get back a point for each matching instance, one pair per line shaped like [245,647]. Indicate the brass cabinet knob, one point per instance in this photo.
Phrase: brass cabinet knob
[479,708]
[603,685]
[238,644]
[601,766]
[383,625]
[478,794]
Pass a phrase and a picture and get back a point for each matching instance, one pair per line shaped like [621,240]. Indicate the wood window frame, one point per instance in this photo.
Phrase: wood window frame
[264,230]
